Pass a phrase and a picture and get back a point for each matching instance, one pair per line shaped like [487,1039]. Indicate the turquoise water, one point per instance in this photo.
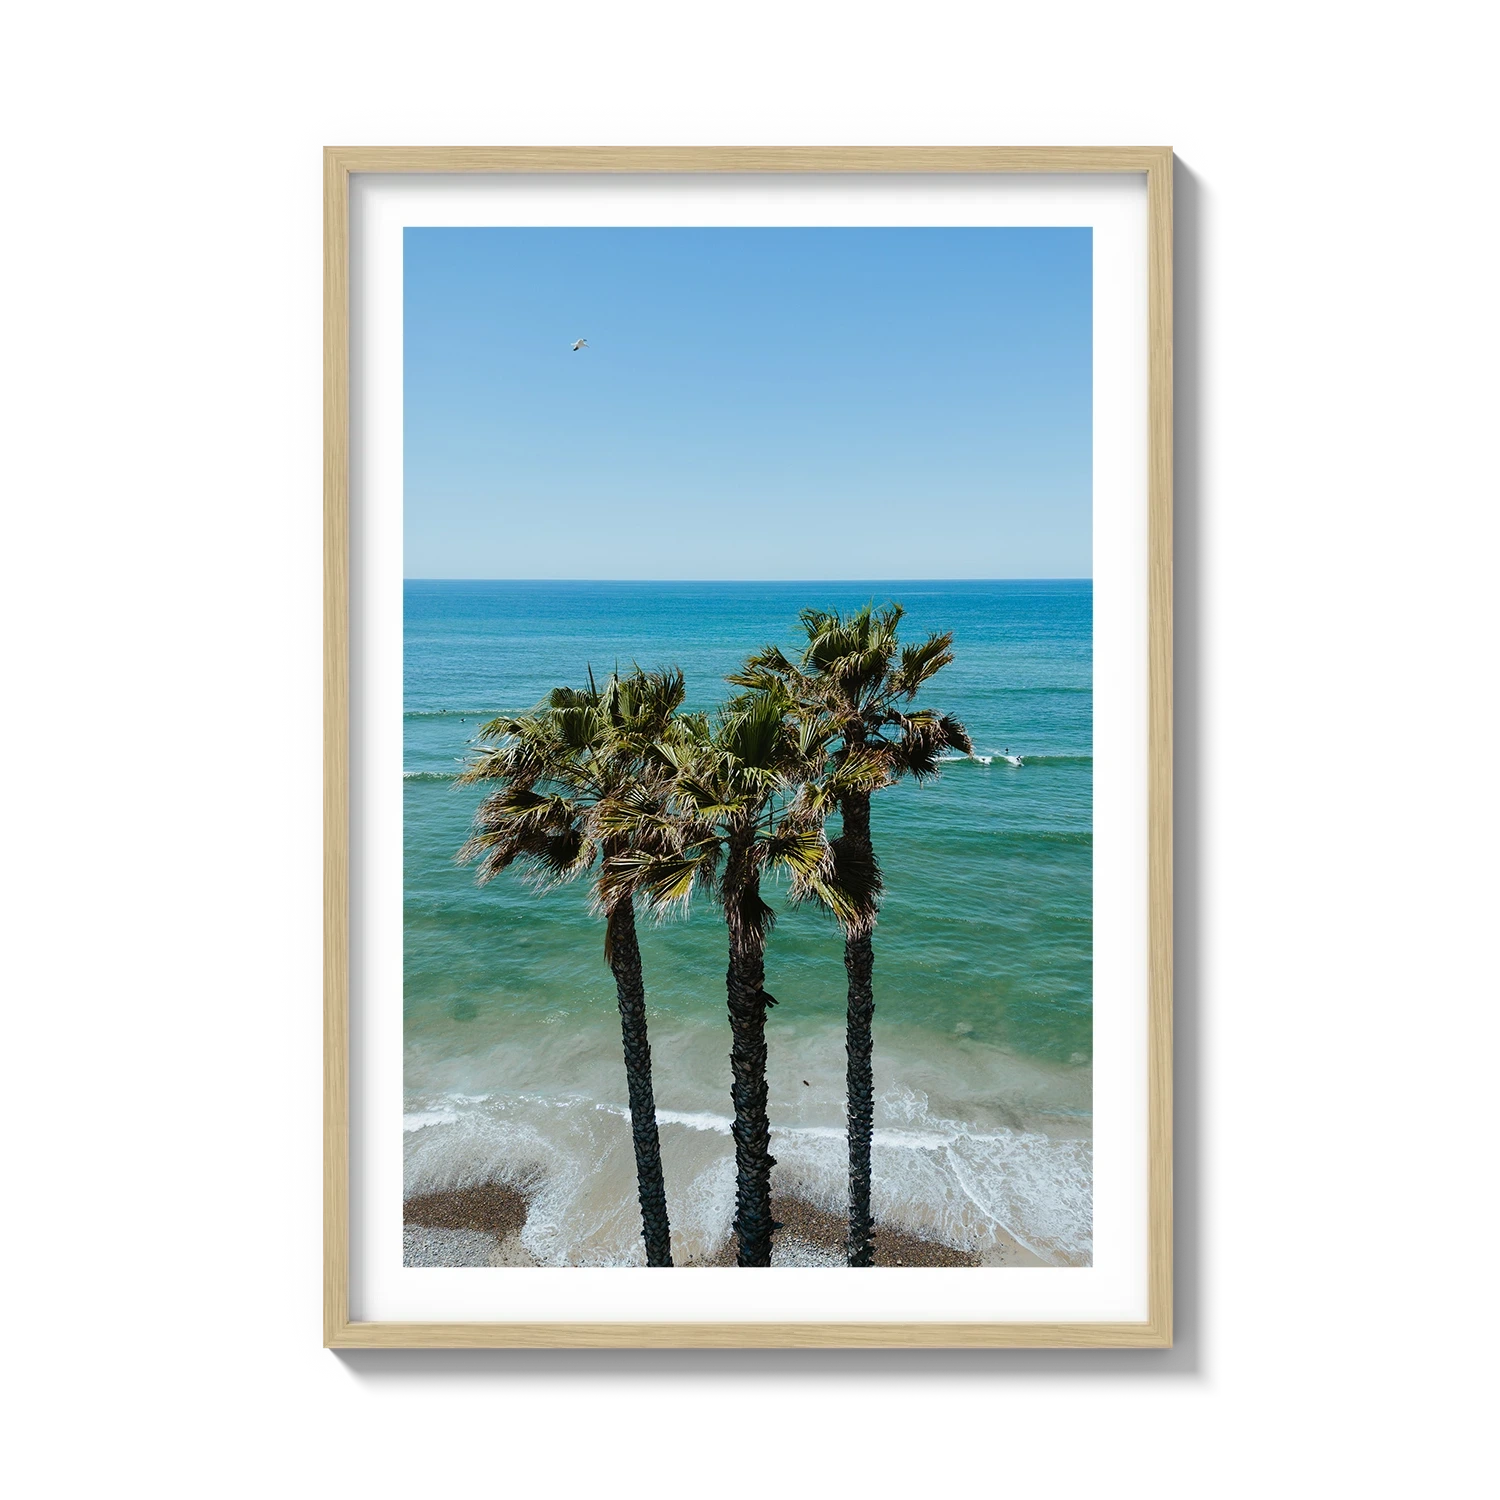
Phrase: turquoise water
[983,952]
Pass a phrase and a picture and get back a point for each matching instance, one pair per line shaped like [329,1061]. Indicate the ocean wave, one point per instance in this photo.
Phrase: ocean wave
[1081,838]
[953,760]
[1016,760]
[693,1119]
[940,1178]
[482,715]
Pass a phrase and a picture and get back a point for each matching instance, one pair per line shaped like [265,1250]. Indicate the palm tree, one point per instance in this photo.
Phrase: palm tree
[560,768]
[745,806]
[855,677]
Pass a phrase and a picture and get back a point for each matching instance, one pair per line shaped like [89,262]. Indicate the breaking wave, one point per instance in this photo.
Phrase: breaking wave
[480,715]
[998,758]
[939,1178]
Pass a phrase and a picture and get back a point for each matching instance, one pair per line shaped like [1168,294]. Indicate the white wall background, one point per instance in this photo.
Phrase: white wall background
[1336,408]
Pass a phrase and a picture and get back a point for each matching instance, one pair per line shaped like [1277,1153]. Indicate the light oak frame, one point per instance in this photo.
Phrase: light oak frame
[339,164]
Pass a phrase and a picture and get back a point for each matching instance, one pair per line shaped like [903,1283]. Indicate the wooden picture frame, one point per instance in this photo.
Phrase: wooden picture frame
[314,494]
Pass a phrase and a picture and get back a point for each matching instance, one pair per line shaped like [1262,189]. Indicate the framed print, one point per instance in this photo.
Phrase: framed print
[748,747]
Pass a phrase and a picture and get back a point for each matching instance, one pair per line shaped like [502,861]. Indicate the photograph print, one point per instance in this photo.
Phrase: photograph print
[748,747]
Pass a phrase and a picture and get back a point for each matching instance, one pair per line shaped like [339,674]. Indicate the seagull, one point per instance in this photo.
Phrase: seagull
[581,344]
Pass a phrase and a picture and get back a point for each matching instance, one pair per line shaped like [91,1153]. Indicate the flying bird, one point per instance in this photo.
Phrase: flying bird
[581,344]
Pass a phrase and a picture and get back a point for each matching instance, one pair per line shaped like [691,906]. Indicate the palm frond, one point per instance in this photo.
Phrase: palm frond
[925,735]
[918,663]
[548,834]
[763,670]
[570,697]
[527,751]
[954,735]
[747,911]
[645,701]
[816,730]
[753,730]
[563,857]
[579,777]
[639,820]
[800,852]
[665,882]
[860,768]
[498,728]
[853,885]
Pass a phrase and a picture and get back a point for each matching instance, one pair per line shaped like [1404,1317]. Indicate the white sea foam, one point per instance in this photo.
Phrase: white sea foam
[1016,760]
[695,1120]
[954,1183]
[947,1179]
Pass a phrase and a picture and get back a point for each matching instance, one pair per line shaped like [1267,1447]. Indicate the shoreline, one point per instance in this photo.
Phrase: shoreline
[481,1226]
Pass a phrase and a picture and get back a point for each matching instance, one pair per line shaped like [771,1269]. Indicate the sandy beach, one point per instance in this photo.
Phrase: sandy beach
[481,1226]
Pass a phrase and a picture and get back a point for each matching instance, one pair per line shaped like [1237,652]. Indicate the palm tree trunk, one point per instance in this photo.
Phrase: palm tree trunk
[752,1127]
[859,1044]
[625,961]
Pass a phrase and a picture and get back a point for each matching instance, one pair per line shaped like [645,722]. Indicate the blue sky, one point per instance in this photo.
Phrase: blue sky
[753,403]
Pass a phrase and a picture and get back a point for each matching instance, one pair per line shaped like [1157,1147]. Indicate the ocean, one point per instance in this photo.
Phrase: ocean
[983,953]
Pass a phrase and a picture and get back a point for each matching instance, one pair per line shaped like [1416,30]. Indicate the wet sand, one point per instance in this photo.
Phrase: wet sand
[481,1226]
[491,1209]
[801,1223]
[811,1236]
